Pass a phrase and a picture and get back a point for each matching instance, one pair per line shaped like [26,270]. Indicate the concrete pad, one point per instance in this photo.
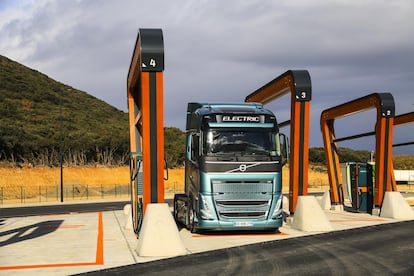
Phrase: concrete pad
[67,244]
[128,217]
[159,236]
[63,244]
[395,206]
[326,201]
[309,216]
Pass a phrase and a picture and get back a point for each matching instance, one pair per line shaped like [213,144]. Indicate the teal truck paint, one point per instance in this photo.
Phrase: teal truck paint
[233,169]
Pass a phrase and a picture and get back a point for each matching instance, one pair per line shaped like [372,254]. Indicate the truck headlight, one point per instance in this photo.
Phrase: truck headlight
[277,212]
[205,210]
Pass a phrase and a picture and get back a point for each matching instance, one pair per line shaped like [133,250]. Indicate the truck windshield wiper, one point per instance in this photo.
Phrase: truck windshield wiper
[223,153]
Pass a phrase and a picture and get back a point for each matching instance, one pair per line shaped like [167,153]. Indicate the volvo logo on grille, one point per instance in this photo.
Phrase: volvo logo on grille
[243,167]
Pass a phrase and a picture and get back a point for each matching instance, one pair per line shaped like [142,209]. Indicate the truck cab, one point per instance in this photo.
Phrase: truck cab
[233,169]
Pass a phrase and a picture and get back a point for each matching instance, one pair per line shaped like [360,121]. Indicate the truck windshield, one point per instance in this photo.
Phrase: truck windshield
[224,141]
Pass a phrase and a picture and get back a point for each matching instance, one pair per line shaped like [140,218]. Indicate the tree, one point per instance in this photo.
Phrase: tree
[174,146]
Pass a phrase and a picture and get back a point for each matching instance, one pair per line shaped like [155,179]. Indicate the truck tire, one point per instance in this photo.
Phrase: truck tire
[175,212]
[179,211]
[190,217]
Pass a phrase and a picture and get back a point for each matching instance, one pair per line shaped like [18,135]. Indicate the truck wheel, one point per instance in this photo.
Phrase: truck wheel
[175,210]
[190,218]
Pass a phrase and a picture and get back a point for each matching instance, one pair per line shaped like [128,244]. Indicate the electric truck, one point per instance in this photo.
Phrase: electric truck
[233,169]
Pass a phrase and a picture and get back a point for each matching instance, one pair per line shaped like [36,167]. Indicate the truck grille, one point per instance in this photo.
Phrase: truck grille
[242,199]
[232,215]
[226,203]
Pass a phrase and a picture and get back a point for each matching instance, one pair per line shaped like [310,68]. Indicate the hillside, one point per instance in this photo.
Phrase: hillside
[31,108]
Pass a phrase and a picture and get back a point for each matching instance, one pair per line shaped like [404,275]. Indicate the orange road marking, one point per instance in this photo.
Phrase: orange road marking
[99,259]
[99,246]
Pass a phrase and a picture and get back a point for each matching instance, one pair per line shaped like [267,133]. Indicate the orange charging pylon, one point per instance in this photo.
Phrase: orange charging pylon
[146,121]
[298,83]
[384,103]
[402,119]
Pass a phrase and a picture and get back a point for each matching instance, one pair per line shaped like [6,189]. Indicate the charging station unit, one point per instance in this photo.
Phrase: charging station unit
[358,186]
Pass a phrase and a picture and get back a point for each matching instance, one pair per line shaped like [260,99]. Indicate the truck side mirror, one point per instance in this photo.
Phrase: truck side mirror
[284,148]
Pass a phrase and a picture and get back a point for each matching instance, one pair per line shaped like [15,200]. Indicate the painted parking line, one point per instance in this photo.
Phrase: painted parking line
[99,257]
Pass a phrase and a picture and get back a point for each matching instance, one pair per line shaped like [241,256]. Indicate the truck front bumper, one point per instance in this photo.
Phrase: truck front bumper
[236,225]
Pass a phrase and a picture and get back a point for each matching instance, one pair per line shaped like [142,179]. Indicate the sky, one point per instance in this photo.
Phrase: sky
[221,51]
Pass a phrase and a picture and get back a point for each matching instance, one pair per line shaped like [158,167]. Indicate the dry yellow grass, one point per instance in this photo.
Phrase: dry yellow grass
[317,181]
[36,182]
[175,182]
[107,176]
[40,182]
[45,176]
[43,183]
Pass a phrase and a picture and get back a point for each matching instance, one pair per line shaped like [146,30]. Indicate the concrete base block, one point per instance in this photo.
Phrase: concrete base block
[128,217]
[127,209]
[326,201]
[309,216]
[376,212]
[159,236]
[396,207]
[337,208]
[289,221]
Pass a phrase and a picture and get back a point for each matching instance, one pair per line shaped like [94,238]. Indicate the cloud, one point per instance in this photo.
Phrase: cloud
[221,50]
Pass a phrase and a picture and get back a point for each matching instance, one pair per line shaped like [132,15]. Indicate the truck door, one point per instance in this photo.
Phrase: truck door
[192,166]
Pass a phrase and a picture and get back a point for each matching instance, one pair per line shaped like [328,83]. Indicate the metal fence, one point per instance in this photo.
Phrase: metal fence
[20,194]
[74,192]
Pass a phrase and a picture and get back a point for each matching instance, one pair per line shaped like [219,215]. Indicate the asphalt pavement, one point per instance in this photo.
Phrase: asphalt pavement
[60,208]
[385,249]
[92,238]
